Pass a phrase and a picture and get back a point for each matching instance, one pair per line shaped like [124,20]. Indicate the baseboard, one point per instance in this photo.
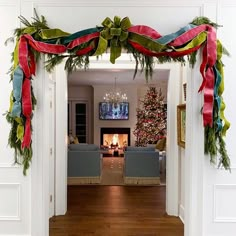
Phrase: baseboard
[83,180]
[15,234]
[142,180]
[181,212]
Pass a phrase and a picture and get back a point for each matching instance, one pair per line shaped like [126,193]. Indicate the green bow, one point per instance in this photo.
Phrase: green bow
[114,33]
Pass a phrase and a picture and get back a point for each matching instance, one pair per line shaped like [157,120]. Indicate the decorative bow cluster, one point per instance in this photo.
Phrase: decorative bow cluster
[113,35]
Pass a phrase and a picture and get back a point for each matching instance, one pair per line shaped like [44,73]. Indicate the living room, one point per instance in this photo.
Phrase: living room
[89,87]
[86,91]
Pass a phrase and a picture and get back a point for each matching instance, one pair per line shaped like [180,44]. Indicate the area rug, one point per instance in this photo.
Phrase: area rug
[112,171]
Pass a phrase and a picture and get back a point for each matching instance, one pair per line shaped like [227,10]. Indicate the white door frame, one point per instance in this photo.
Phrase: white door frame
[52,160]
[40,171]
[172,164]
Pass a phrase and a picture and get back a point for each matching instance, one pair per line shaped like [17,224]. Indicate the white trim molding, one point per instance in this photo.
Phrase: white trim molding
[9,165]
[172,154]
[181,212]
[194,153]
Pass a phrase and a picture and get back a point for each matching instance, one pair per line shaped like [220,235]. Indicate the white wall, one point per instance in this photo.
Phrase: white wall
[214,213]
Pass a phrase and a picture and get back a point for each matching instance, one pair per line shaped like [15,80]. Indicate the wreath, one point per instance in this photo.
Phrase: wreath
[147,47]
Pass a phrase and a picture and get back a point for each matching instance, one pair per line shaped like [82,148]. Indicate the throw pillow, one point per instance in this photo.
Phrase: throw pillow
[161,144]
[76,140]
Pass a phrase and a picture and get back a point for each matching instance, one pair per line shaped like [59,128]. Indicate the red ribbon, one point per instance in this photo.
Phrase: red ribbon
[27,111]
[144,30]
[83,39]
[147,52]
[45,47]
[84,51]
[32,63]
[208,98]
[203,68]
[209,60]
[23,56]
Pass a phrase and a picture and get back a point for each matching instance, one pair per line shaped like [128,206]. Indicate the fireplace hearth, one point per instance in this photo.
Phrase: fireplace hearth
[115,138]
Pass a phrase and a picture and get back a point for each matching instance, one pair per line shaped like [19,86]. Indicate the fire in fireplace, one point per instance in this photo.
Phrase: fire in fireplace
[115,141]
[115,138]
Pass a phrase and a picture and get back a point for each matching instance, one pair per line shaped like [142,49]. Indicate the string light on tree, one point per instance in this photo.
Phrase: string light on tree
[151,118]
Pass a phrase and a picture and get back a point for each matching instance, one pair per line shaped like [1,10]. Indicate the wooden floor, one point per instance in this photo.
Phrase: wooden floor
[116,211]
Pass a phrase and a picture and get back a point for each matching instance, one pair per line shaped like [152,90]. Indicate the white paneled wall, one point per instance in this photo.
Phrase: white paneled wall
[14,187]
[220,185]
[215,194]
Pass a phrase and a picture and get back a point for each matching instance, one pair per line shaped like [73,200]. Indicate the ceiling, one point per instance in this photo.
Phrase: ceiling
[124,77]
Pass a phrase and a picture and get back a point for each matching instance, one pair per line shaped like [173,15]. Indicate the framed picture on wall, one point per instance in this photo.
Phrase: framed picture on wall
[181,124]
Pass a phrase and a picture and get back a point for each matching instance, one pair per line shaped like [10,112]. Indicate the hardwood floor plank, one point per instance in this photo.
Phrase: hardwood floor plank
[116,210]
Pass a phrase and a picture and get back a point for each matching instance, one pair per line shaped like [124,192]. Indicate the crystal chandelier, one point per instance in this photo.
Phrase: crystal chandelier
[115,95]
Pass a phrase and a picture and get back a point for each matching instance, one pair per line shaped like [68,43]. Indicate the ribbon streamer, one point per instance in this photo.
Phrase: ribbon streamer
[17,90]
[27,111]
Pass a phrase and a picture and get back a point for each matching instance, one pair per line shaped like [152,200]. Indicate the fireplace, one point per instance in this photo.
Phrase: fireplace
[115,138]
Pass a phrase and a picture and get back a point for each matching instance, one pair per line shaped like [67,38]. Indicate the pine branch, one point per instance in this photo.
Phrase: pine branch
[53,60]
[224,158]
[204,20]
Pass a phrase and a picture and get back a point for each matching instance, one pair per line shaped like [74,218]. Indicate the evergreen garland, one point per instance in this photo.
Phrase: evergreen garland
[115,38]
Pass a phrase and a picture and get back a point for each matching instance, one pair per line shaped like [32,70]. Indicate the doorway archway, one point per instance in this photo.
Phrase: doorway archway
[172,148]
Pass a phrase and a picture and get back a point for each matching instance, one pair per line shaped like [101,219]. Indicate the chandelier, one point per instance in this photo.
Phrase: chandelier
[115,95]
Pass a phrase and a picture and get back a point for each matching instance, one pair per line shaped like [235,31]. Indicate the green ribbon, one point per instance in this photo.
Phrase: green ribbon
[20,132]
[115,33]
[11,102]
[147,42]
[30,30]
[219,66]
[19,129]
[198,40]
[52,33]
[16,55]
[226,122]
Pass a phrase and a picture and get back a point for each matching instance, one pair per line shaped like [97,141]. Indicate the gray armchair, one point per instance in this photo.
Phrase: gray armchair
[84,164]
[141,166]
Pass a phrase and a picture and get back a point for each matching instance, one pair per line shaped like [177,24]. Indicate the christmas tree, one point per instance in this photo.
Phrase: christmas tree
[151,118]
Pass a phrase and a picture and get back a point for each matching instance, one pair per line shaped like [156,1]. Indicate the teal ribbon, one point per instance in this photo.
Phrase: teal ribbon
[17,90]
[170,37]
[217,98]
[78,34]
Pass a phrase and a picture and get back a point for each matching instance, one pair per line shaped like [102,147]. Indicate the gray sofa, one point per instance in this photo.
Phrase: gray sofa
[141,166]
[84,164]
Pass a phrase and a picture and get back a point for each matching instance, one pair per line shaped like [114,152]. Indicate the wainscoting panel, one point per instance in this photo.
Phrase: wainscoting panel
[10,194]
[224,210]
